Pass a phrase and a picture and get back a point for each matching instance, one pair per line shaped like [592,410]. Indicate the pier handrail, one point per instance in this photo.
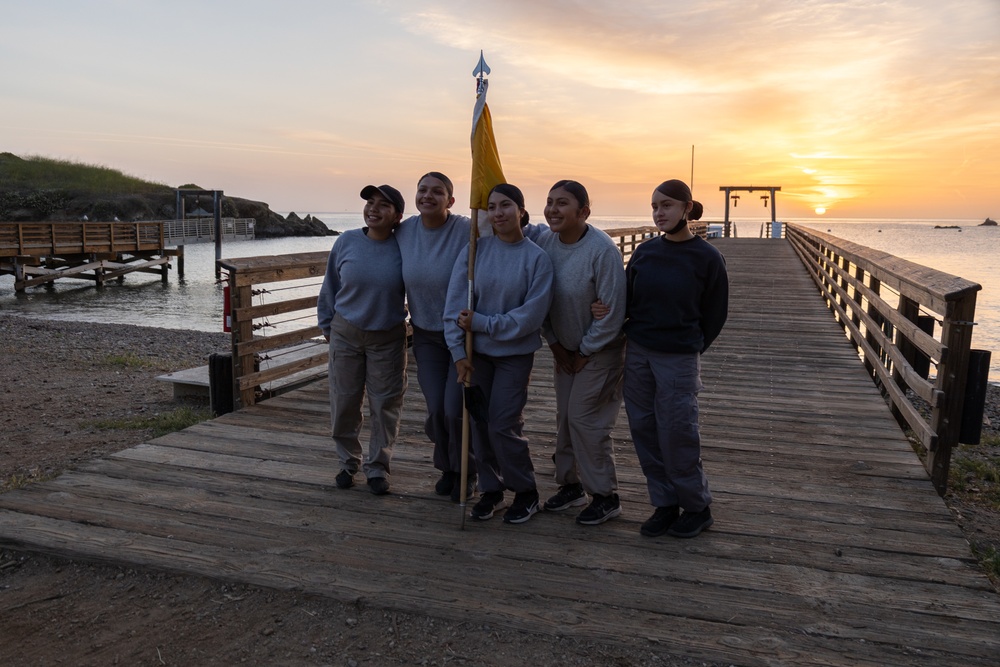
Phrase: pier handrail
[859,284]
[52,238]
[247,277]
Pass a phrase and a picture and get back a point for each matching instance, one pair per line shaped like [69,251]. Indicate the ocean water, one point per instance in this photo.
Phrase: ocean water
[197,301]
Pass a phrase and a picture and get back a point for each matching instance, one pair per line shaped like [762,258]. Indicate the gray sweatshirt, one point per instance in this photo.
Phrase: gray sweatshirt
[363,282]
[512,293]
[585,271]
[428,258]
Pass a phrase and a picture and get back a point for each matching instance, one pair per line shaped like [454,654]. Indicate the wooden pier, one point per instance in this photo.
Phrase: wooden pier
[831,545]
[39,253]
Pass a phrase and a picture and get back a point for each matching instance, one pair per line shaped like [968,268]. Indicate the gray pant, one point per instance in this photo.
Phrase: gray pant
[661,400]
[443,395]
[503,460]
[587,406]
[360,361]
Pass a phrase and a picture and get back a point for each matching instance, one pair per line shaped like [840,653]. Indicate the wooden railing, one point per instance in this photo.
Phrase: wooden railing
[266,278]
[888,308]
[39,239]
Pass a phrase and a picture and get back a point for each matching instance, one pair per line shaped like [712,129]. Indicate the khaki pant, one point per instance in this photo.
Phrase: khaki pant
[587,406]
[373,362]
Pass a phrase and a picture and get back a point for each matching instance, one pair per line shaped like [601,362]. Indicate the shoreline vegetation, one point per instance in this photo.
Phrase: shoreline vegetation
[38,189]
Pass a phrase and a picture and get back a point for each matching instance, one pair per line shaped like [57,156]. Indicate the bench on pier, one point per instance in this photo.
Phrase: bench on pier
[196,382]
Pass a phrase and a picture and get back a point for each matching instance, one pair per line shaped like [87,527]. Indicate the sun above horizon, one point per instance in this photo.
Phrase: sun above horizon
[820,210]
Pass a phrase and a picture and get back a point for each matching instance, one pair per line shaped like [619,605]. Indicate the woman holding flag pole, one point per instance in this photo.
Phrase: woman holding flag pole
[510,297]
[508,464]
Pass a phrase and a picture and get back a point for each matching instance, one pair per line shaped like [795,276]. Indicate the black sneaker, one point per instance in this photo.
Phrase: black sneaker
[691,523]
[525,504]
[660,522]
[470,488]
[569,495]
[379,486]
[600,510]
[345,479]
[447,483]
[490,502]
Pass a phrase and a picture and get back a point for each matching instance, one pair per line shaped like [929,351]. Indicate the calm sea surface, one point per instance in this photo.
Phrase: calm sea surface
[196,302]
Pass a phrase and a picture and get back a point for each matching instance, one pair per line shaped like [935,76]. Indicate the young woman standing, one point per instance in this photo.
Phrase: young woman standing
[429,243]
[512,292]
[362,314]
[678,300]
[589,353]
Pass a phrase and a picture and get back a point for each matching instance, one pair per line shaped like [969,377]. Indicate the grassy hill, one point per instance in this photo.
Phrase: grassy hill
[39,173]
[39,189]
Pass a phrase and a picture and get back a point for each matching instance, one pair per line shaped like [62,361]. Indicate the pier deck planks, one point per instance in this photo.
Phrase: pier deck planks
[830,544]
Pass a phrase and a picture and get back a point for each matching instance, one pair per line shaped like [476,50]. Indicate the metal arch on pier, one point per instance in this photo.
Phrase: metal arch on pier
[730,189]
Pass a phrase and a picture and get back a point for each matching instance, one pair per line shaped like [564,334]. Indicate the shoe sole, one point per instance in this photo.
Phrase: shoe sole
[653,533]
[691,533]
[531,512]
[487,517]
[596,522]
[577,502]
[379,492]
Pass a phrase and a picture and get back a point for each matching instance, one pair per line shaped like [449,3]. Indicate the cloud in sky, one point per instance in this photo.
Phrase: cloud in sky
[861,108]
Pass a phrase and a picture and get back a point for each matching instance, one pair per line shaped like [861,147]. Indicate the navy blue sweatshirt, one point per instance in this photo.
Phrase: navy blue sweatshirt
[678,295]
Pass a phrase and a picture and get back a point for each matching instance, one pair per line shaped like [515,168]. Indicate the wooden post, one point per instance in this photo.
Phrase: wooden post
[241,296]
[725,221]
[946,419]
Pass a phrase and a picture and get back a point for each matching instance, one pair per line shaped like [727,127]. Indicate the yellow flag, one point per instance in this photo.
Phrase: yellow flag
[486,169]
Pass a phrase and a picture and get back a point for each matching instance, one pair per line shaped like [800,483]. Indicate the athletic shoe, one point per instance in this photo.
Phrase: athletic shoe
[525,504]
[691,523]
[447,482]
[490,502]
[345,479]
[660,522]
[470,488]
[569,495]
[600,510]
[379,486]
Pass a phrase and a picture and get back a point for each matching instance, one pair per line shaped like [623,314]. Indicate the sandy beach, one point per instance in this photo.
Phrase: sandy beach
[60,379]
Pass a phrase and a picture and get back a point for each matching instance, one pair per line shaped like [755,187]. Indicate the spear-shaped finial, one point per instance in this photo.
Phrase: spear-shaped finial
[482,69]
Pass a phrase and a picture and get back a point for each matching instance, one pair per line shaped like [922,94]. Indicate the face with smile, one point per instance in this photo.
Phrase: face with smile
[564,213]
[381,216]
[505,216]
[667,211]
[433,200]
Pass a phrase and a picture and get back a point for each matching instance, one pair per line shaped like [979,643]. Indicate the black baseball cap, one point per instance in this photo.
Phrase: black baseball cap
[387,191]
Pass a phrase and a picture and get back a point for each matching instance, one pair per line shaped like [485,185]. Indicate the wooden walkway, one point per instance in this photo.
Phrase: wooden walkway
[830,544]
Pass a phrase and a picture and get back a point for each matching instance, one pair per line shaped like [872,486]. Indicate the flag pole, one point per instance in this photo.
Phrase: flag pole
[486,173]
[466,423]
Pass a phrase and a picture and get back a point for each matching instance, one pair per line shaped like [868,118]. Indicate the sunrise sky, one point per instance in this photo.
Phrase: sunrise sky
[862,108]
